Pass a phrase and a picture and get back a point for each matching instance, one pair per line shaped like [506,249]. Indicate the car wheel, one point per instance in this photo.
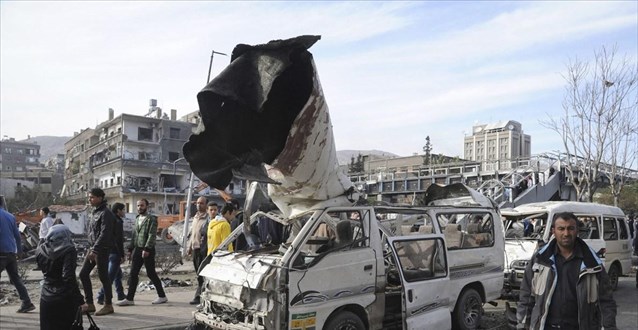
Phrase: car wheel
[468,310]
[614,274]
[345,321]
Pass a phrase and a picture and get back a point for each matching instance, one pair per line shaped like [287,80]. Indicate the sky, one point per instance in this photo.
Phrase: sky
[392,72]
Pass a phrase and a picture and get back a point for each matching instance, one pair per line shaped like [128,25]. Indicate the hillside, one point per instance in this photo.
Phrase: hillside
[49,145]
[344,156]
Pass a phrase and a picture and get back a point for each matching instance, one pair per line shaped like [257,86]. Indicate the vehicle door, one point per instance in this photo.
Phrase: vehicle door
[422,261]
[334,266]
[616,238]
[591,231]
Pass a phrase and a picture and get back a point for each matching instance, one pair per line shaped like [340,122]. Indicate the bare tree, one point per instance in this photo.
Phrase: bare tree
[599,121]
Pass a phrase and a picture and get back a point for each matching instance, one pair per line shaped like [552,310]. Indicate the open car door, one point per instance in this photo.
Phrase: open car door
[422,264]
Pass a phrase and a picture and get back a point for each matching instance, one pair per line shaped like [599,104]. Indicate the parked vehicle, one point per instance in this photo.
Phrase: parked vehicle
[366,267]
[603,228]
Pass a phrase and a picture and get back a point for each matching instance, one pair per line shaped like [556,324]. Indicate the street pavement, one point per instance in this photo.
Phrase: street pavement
[175,314]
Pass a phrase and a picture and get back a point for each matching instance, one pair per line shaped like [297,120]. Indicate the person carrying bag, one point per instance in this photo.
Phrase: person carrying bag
[77,324]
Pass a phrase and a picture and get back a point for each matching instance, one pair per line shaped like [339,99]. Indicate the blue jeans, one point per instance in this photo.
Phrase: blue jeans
[9,263]
[115,276]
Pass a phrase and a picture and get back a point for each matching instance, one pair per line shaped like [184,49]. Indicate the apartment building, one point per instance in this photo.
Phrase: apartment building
[20,166]
[132,157]
[18,155]
[497,145]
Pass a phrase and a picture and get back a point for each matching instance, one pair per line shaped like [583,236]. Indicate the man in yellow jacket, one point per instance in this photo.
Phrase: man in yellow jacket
[218,230]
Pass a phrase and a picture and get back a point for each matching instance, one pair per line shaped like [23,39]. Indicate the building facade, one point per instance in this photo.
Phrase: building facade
[19,156]
[20,166]
[132,157]
[497,145]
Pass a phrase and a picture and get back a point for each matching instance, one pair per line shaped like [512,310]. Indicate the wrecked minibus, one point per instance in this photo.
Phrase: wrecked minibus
[603,228]
[265,119]
[365,267]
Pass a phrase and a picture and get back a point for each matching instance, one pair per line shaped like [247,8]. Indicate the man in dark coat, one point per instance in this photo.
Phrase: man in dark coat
[101,240]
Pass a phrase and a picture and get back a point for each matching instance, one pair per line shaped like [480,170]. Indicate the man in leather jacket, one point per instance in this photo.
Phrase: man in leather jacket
[101,229]
[565,284]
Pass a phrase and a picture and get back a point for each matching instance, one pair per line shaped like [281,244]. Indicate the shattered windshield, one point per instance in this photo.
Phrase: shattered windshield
[525,226]
[268,231]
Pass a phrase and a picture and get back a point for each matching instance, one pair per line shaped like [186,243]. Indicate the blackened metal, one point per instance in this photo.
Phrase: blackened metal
[248,109]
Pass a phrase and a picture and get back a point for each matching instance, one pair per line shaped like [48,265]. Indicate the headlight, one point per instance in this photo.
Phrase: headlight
[519,264]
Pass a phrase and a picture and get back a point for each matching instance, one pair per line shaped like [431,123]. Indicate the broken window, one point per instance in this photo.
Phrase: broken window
[142,155]
[144,134]
[467,230]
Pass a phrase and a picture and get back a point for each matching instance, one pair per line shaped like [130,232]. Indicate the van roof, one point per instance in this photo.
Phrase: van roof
[555,207]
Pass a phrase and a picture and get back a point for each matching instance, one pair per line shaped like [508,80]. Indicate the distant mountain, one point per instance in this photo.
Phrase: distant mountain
[49,145]
[345,156]
[53,145]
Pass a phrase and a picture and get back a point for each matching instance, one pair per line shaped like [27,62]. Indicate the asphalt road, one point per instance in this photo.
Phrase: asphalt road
[626,297]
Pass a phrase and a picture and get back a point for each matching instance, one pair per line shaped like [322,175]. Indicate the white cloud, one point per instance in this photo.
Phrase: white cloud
[390,70]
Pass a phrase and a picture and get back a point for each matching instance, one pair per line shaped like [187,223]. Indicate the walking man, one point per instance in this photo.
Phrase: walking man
[565,284]
[101,240]
[200,219]
[10,248]
[45,224]
[116,257]
[142,252]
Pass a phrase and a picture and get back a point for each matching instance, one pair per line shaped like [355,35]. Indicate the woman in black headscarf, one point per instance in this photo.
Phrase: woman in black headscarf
[60,296]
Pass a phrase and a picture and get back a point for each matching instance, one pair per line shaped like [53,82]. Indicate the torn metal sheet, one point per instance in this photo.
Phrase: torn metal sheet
[267,107]
[243,277]
[456,194]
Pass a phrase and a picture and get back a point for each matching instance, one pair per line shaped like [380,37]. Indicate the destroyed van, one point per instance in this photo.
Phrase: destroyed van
[361,267]
[603,228]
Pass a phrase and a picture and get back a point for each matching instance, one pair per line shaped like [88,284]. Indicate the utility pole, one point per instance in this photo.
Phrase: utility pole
[210,66]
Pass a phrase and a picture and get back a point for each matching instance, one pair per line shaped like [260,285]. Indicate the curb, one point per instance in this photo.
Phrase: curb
[176,326]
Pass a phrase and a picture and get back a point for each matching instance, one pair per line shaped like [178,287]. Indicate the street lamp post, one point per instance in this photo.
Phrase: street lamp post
[210,66]
[188,203]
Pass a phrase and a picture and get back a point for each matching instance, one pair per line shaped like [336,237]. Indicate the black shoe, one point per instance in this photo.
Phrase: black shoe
[26,308]
[195,301]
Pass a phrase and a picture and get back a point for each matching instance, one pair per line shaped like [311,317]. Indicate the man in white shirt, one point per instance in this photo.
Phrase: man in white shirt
[45,224]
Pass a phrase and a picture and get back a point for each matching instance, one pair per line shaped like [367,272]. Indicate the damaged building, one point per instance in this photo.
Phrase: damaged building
[132,157]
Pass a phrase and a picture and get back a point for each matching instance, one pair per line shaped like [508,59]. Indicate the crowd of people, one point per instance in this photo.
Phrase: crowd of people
[555,268]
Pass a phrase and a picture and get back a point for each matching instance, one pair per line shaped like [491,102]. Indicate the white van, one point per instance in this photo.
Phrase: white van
[604,229]
[359,267]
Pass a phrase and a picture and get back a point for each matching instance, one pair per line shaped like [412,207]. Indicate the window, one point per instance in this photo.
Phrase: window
[7,150]
[589,228]
[421,259]
[336,231]
[623,228]
[119,180]
[173,156]
[402,224]
[174,133]
[610,229]
[20,151]
[144,134]
[467,230]
[18,168]
[144,156]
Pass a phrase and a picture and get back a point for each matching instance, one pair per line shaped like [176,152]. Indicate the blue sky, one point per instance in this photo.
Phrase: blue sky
[392,72]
